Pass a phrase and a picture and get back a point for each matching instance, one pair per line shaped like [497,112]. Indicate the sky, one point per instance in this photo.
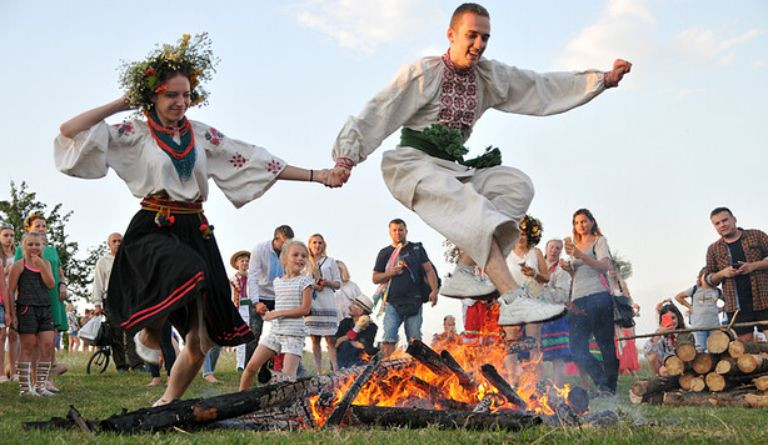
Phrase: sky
[684,133]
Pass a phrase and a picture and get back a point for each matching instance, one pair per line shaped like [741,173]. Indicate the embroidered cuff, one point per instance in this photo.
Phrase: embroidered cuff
[345,163]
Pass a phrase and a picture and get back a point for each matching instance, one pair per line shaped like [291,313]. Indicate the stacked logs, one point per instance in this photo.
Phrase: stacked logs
[731,373]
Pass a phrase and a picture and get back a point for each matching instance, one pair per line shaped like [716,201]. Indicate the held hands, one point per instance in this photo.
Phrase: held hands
[335,177]
[612,78]
[261,308]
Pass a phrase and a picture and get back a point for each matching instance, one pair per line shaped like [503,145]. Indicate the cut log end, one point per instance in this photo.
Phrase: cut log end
[718,341]
[686,351]
[674,365]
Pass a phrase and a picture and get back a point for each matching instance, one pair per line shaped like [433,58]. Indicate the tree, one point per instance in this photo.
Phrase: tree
[78,272]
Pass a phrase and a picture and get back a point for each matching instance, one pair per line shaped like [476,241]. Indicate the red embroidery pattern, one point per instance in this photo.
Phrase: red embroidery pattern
[214,136]
[274,167]
[458,97]
[238,160]
[123,129]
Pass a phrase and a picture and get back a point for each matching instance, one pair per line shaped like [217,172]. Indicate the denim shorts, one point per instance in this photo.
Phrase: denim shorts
[2,316]
[393,320]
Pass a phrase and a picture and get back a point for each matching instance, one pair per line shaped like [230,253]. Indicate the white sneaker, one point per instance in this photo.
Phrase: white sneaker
[464,283]
[517,307]
[149,355]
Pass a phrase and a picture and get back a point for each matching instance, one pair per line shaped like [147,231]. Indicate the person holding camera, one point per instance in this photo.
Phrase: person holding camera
[739,261]
[402,268]
[663,345]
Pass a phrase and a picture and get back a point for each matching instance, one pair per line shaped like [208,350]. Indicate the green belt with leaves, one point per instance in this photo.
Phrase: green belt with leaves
[447,143]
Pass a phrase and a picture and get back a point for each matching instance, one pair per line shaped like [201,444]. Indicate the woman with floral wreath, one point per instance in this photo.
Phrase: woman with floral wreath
[528,267]
[169,265]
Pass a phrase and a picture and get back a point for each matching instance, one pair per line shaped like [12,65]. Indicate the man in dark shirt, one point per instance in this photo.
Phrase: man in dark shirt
[402,267]
[356,334]
[739,260]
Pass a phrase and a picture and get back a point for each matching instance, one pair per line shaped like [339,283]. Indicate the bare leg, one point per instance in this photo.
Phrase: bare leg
[2,351]
[45,341]
[13,350]
[317,353]
[188,362]
[655,363]
[259,357]
[498,272]
[291,365]
[331,353]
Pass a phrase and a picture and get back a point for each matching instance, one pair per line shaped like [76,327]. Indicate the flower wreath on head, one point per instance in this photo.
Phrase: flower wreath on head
[532,228]
[192,56]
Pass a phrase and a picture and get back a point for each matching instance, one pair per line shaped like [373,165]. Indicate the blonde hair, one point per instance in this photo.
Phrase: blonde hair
[343,271]
[33,235]
[312,259]
[287,247]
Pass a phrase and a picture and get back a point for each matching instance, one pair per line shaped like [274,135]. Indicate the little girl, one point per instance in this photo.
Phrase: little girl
[293,300]
[663,345]
[74,328]
[31,278]
[703,308]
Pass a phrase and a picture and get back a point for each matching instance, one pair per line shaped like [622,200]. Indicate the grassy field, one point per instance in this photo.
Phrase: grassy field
[98,396]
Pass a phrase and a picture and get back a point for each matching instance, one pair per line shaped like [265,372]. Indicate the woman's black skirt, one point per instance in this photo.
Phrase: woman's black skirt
[162,271]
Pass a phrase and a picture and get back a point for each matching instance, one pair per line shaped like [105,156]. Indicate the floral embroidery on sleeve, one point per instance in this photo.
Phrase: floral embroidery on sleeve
[124,129]
[238,160]
[274,167]
[214,136]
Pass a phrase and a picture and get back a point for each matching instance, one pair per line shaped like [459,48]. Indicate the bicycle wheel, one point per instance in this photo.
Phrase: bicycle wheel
[99,361]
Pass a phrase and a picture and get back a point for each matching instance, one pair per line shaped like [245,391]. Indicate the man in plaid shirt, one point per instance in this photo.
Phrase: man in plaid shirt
[739,260]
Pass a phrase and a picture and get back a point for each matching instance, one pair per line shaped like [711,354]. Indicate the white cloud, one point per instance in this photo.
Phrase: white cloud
[624,30]
[365,25]
[702,46]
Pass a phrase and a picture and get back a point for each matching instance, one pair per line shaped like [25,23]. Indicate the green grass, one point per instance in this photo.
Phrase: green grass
[99,396]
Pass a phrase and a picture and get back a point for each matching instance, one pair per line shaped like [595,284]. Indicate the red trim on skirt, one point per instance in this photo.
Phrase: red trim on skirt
[176,295]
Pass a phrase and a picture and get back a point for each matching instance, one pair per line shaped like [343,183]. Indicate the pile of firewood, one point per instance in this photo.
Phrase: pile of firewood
[731,373]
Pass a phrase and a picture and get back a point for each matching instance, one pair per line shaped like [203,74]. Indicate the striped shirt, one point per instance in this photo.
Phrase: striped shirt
[288,296]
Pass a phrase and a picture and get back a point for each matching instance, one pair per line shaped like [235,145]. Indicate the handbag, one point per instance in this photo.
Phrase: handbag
[623,312]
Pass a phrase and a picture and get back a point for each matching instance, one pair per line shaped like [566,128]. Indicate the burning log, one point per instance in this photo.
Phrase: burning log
[718,341]
[437,397]
[428,357]
[196,412]
[497,381]
[737,348]
[751,363]
[340,411]
[674,365]
[421,418]
[703,363]
[686,349]
[465,380]
[578,400]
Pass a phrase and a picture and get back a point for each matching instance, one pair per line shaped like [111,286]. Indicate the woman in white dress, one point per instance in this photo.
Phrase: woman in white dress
[347,293]
[169,266]
[529,269]
[323,319]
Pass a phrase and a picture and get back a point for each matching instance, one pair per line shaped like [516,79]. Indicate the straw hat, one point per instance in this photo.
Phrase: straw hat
[364,302]
[236,255]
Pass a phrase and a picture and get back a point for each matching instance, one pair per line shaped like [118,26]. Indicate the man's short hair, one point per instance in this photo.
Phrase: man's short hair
[720,210]
[397,221]
[285,230]
[464,8]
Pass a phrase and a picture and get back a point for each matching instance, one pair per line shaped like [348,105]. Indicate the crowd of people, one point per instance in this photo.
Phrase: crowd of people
[166,274]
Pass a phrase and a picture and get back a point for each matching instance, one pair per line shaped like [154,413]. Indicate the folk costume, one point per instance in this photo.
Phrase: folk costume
[169,259]
[427,172]
[323,318]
